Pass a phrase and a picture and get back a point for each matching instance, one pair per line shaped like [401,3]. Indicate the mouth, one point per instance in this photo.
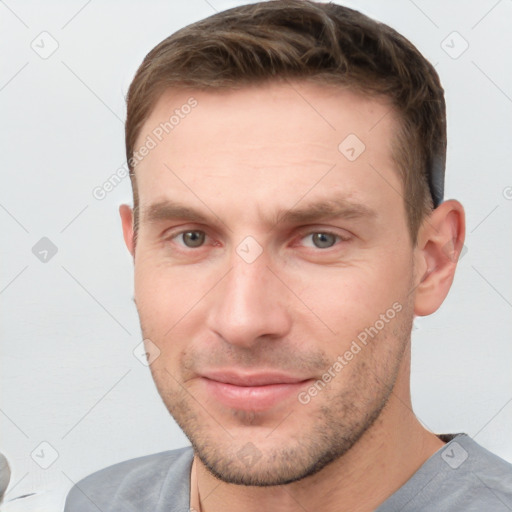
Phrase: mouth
[252,392]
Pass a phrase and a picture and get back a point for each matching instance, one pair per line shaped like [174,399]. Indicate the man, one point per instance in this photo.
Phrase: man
[287,163]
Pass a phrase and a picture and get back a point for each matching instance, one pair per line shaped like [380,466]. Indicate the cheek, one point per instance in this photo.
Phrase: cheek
[160,283]
[348,300]
[171,303]
[163,295]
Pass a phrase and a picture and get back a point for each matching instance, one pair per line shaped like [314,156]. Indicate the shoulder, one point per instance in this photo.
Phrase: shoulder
[462,475]
[481,476]
[153,482]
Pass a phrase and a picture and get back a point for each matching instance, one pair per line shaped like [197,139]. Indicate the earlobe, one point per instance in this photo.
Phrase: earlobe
[440,242]
[126,214]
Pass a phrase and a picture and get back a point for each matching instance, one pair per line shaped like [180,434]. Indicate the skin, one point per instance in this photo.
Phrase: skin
[243,159]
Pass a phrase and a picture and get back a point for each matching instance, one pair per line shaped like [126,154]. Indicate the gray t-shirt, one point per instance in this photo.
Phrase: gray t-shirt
[461,476]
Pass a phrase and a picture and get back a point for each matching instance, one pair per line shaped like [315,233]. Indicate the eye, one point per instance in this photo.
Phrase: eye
[192,239]
[322,240]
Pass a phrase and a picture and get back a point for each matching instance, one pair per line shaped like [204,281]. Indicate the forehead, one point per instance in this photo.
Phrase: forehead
[268,143]
[314,104]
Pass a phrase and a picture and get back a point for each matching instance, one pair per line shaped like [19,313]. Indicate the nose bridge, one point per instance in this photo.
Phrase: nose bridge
[250,301]
[248,282]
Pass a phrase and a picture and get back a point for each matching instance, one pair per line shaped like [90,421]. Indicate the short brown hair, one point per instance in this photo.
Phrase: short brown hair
[321,42]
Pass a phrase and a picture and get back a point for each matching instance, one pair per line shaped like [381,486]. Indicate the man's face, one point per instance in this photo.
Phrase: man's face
[273,272]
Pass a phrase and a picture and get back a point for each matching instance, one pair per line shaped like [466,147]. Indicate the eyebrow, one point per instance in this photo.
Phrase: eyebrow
[329,208]
[171,210]
[340,207]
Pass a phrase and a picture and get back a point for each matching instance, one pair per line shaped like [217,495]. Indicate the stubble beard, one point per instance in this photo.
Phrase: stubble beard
[336,424]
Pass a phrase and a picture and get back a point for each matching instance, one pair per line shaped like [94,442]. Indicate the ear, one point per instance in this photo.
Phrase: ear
[126,214]
[440,242]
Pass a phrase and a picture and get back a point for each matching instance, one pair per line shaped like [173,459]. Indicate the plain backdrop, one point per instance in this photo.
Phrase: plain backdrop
[74,397]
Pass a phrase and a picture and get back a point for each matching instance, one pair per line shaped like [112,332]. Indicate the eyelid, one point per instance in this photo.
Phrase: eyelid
[183,228]
[310,230]
[172,233]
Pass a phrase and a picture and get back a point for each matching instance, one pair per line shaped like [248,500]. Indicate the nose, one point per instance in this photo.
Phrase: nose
[250,304]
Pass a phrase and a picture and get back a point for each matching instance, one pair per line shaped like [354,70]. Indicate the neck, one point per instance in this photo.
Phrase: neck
[383,459]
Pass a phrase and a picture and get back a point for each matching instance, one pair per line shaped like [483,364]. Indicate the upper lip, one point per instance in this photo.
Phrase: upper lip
[263,378]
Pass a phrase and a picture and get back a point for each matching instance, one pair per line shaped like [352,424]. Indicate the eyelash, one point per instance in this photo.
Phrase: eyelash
[326,232]
[302,235]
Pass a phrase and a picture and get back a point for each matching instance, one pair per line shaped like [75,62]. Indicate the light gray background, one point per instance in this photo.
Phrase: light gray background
[69,326]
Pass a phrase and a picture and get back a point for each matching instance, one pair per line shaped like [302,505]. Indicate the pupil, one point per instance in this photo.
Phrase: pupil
[323,240]
[193,238]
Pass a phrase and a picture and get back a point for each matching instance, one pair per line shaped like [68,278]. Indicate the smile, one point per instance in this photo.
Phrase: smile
[255,392]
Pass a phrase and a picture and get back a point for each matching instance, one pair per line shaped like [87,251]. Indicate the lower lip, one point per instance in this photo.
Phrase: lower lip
[252,398]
